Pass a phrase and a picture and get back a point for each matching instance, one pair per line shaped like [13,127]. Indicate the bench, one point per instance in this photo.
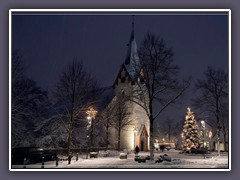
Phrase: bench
[104,153]
[93,155]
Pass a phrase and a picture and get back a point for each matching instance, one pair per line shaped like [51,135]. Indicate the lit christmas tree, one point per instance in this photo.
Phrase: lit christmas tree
[191,139]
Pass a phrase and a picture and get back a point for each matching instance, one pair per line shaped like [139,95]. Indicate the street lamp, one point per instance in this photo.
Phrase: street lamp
[91,116]
[203,137]
[203,134]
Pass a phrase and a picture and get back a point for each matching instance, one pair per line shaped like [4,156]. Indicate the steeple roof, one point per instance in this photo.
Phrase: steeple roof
[132,62]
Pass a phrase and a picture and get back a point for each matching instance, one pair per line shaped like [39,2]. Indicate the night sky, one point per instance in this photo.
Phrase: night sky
[49,42]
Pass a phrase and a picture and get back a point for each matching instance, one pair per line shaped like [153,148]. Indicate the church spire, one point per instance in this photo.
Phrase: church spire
[132,59]
[133,26]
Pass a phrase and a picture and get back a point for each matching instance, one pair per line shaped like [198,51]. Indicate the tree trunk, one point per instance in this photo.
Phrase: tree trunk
[119,139]
[91,142]
[218,141]
[169,138]
[218,126]
[151,139]
[70,132]
[224,140]
[69,139]
[224,136]
[107,137]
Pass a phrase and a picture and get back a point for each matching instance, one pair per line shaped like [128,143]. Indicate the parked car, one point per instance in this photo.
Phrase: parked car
[37,156]
[168,147]
[164,147]
[32,155]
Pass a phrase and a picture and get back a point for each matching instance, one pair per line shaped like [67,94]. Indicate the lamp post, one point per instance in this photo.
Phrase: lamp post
[203,130]
[91,116]
[203,136]
[88,126]
[210,139]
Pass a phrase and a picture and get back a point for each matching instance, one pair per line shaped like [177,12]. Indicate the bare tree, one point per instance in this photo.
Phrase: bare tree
[157,80]
[121,117]
[107,118]
[213,97]
[169,125]
[108,123]
[177,130]
[168,129]
[75,91]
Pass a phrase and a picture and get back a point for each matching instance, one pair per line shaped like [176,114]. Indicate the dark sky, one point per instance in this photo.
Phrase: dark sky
[49,42]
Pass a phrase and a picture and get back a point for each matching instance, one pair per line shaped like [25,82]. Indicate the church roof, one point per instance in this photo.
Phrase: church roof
[106,95]
[142,129]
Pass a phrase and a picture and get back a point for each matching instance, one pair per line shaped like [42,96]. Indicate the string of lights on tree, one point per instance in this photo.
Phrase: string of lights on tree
[190,135]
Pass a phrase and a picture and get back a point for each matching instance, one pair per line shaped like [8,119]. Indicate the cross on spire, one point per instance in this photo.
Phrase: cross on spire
[133,24]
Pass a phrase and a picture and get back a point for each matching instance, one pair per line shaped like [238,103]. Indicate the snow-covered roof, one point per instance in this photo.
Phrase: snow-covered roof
[106,95]
[141,129]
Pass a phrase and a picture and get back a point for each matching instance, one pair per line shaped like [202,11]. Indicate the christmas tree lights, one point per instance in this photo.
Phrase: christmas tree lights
[190,135]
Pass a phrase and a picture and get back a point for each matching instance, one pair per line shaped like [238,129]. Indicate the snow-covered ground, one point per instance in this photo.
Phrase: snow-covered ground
[179,161]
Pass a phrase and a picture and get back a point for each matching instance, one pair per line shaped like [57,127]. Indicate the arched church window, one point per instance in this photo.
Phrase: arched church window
[123,79]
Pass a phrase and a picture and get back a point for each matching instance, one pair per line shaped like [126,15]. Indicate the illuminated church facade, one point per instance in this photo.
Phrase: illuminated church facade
[137,133]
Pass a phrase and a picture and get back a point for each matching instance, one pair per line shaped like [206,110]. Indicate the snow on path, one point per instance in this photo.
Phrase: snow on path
[179,161]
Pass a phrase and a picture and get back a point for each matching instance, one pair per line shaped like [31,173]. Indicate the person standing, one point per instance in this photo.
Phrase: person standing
[136,150]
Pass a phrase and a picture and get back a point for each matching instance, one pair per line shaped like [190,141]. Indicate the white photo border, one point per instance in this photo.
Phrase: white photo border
[122,12]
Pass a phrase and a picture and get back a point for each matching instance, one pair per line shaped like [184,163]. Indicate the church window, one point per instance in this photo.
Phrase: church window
[123,79]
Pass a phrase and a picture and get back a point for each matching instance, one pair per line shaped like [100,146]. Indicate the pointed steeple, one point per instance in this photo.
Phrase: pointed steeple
[132,34]
[132,63]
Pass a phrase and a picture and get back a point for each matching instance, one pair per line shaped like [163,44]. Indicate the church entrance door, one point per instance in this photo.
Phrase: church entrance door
[143,142]
[142,146]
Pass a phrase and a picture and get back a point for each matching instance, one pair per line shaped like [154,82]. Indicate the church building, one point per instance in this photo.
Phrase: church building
[127,80]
